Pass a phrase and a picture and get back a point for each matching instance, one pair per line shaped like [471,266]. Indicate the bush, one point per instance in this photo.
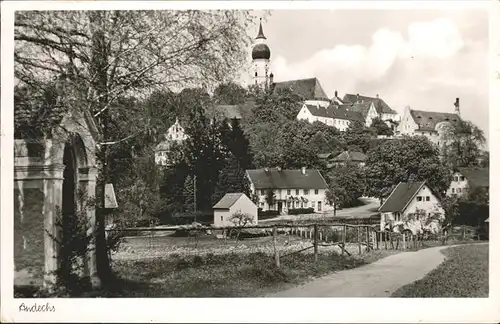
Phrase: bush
[262,214]
[298,211]
[202,217]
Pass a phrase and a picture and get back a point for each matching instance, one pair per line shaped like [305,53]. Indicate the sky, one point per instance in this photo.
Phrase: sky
[424,59]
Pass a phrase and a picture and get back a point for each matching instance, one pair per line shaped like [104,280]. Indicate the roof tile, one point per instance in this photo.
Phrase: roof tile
[274,178]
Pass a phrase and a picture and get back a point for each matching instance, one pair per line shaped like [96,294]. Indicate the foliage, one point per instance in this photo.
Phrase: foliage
[107,55]
[229,93]
[231,179]
[410,158]
[357,136]
[346,184]
[464,273]
[380,127]
[270,197]
[298,211]
[462,144]
[264,213]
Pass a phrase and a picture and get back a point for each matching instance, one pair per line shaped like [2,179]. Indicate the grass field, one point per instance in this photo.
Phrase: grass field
[226,275]
[464,273]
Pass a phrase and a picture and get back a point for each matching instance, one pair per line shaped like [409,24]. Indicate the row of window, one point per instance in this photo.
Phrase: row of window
[335,121]
[458,190]
[289,192]
[296,204]
[421,198]
[458,178]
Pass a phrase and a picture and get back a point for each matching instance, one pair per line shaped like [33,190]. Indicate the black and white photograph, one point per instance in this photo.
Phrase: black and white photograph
[276,151]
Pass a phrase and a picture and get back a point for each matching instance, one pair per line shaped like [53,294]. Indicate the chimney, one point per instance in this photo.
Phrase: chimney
[303,170]
[377,95]
[457,106]
[336,94]
[271,78]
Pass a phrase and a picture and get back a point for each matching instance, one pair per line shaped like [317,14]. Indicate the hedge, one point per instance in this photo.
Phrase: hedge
[297,211]
[261,212]
[188,218]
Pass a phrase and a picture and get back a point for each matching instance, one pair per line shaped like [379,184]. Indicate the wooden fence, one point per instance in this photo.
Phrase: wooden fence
[363,238]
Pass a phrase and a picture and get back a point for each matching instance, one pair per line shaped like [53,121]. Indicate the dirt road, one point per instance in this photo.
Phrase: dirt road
[378,279]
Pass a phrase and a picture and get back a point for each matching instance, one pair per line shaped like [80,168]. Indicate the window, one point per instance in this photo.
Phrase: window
[427,198]
[289,204]
[459,189]
[316,191]
[462,178]
[301,204]
[297,191]
[313,204]
[222,218]
[419,198]
[263,192]
[306,192]
[288,192]
[455,179]
[262,205]
[452,190]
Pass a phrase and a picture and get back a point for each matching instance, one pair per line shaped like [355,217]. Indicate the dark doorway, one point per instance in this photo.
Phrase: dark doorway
[68,208]
[280,206]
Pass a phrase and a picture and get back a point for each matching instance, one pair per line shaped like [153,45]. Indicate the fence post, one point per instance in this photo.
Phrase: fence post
[316,236]
[344,234]
[385,239]
[359,241]
[367,239]
[404,241]
[377,236]
[276,252]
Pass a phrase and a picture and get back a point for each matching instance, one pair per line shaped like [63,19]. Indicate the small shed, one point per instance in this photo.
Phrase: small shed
[231,204]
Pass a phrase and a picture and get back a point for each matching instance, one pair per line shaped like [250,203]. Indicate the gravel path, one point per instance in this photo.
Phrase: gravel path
[378,279]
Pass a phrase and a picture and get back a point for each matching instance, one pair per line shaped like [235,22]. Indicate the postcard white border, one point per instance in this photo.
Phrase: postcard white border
[242,309]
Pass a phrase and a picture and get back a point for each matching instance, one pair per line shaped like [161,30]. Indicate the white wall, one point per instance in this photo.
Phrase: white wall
[407,125]
[222,217]
[458,185]
[284,194]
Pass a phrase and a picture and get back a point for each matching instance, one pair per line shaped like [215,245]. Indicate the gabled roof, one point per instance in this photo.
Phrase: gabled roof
[401,196]
[362,107]
[334,111]
[274,178]
[309,89]
[381,106]
[228,200]
[427,120]
[228,111]
[350,156]
[476,177]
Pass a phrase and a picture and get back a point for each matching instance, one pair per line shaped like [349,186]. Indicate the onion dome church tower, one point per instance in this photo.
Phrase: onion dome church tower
[261,55]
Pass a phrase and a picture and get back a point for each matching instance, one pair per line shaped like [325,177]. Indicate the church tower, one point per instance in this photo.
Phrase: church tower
[260,60]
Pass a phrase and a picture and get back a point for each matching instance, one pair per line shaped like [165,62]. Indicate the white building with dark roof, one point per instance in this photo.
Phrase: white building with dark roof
[466,178]
[292,189]
[411,206]
[339,116]
[232,204]
[430,124]
[175,135]
[372,108]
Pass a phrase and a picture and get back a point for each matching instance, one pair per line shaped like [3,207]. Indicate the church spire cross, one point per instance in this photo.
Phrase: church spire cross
[261,32]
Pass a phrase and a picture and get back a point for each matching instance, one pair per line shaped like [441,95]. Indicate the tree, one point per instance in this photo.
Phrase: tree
[380,127]
[188,193]
[357,136]
[106,54]
[231,179]
[346,184]
[229,93]
[462,143]
[414,158]
[270,197]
